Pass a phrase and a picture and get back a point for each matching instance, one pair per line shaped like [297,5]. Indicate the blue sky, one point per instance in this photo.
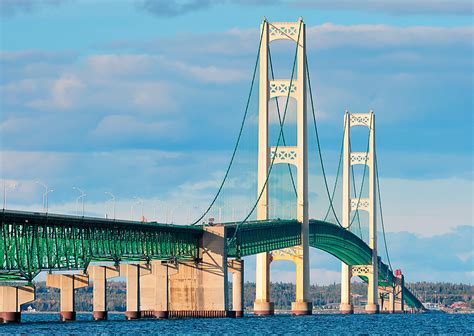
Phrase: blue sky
[144,98]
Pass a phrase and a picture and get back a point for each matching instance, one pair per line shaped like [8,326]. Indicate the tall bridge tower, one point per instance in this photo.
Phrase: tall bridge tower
[354,204]
[269,89]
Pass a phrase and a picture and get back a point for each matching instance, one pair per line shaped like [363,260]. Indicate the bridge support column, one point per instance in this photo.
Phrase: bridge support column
[385,300]
[372,306]
[399,299]
[391,301]
[346,273]
[67,283]
[302,306]
[346,306]
[160,272]
[154,291]
[99,276]
[262,305]
[133,272]
[373,278]
[236,267]
[11,299]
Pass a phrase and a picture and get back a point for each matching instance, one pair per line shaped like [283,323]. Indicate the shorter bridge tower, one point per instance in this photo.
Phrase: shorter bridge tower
[349,205]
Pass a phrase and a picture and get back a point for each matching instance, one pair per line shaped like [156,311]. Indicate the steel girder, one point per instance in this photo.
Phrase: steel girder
[261,236]
[33,242]
[265,236]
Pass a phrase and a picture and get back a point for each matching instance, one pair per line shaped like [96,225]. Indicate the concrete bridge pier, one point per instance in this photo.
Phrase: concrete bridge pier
[398,296]
[11,299]
[133,272]
[236,267]
[262,305]
[99,276]
[385,300]
[154,291]
[346,306]
[302,305]
[67,283]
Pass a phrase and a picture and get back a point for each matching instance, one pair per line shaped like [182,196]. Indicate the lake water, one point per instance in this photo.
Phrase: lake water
[416,324]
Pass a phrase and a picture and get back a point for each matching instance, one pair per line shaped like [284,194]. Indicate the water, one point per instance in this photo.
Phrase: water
[415,324]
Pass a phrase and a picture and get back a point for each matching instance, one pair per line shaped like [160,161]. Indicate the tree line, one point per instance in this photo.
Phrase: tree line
[282,294]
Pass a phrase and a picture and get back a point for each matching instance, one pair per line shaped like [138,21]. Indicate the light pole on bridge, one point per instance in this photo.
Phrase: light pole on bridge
[139,201]
[5,187]
[81,197]
[112,199]
[45,195]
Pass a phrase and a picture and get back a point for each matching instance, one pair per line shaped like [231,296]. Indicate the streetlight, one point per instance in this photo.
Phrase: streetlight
[112,198]
[154,210]
[81,197]
[45,195]
[11,186]
[139,201]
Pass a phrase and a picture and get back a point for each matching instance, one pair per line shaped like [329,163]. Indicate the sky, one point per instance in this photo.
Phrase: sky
[144,99]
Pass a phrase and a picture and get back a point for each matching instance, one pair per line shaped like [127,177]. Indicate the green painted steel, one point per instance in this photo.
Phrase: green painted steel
[265,236]
[261,236]
[34,242]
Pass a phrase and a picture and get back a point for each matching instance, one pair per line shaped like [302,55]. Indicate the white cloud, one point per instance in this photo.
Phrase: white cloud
[209,74]
[427,207]
[394,7]
[112,65]
[329,35]
[122,127]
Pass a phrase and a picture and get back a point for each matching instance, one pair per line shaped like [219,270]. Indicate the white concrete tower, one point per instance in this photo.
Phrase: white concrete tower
[295,155]
[346,303]
[365,204]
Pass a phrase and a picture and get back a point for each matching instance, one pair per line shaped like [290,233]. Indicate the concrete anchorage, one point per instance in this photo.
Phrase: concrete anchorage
[186,288]
[366,204]
[295,88]
[67,283]
[99,276]
[200,288]
[11,299]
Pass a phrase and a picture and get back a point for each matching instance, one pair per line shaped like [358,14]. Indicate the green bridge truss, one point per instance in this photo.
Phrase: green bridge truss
[264,236]
[35,242]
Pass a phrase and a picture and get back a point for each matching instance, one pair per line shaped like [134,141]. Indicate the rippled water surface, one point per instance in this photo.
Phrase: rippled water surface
[420,324]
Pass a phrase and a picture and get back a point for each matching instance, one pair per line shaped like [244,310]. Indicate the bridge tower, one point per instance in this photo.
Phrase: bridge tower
[367,204]
[269,89]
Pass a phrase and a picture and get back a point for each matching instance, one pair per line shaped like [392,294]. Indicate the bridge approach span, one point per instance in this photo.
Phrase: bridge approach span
[34,242]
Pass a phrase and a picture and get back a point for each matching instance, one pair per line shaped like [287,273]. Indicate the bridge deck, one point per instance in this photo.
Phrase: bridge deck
[34,242]
[264,236]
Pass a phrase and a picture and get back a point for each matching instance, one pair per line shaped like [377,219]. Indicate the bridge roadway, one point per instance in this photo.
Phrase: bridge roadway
[32,242]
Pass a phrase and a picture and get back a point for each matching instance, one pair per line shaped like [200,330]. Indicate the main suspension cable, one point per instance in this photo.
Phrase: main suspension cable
[381,212]
[238,137]
[331,204]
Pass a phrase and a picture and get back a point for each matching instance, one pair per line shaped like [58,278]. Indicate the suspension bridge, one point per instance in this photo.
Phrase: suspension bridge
[176,270]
